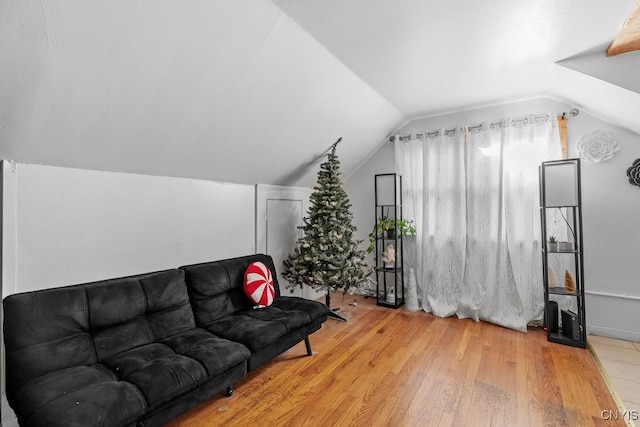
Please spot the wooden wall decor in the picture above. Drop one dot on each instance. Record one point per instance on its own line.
(628, 38)
(562, 129)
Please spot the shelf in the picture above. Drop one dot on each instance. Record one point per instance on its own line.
(561, 290)
(388, 204)
(383, 302)
(557, 337)
(389, 270)
(560, 187)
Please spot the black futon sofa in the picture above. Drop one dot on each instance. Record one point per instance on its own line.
(144, 349)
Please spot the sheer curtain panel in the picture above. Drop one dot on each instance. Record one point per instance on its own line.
(473, 194)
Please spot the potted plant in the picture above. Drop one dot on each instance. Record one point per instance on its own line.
(553, 244)
(388, 227)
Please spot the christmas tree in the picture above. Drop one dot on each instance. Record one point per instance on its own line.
(327, 257)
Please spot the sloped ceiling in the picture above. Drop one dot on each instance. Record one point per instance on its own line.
(255, 91)
(432, 57)
(621, 70)
(223, 90)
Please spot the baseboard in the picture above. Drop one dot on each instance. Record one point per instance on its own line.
(619, 334)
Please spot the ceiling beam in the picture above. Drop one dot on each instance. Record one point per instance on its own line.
(628, 38)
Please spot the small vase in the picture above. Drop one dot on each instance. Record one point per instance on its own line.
(391, 298)
(553, 281)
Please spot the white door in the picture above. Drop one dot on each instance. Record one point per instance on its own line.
(279, 213)
(282, 236)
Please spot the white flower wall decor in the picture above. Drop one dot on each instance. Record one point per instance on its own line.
(598, 146)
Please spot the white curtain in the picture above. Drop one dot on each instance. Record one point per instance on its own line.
(473, 194)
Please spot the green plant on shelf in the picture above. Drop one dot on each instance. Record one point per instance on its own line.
(401, 226)
(552, 239)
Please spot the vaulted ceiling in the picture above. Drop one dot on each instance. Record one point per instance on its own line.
(254, 91)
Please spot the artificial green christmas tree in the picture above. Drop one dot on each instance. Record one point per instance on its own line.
(327, 257)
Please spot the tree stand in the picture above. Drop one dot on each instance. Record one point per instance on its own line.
(332, 311)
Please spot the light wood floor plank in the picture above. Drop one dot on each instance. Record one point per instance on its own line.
(392, 367)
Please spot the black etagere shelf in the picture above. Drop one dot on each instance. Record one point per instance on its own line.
(389, 275)
(564, 308)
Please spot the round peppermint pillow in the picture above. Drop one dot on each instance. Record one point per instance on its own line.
(258, 284)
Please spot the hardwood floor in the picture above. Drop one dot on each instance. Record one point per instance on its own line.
(396, 368)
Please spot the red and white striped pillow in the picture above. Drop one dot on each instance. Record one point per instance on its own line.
(258, 284)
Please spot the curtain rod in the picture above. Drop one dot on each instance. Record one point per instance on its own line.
(572, 113)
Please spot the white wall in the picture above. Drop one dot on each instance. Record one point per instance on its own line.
(611, 210)
(611, 214)
(75, 225)
(64, 226)
(360, 189)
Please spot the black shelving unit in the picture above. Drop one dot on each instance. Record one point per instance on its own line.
(389, 278)
(561, 210)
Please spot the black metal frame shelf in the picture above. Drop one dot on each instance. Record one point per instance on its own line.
(560, 180)
(389, 280)
(561, 252)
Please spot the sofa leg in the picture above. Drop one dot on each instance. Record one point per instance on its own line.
(308, 344)
(229, 391)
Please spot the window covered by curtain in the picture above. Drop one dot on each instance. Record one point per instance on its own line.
(473, 194)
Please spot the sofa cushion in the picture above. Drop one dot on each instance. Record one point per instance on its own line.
(133, 311)
(79, 396)
(168, 308)
(157, 371)
(45, 331)
(168, 368)
(213, 293)
(216, 354)
(291, 319)
(314, 309)
(258, 284)
(248, 330)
